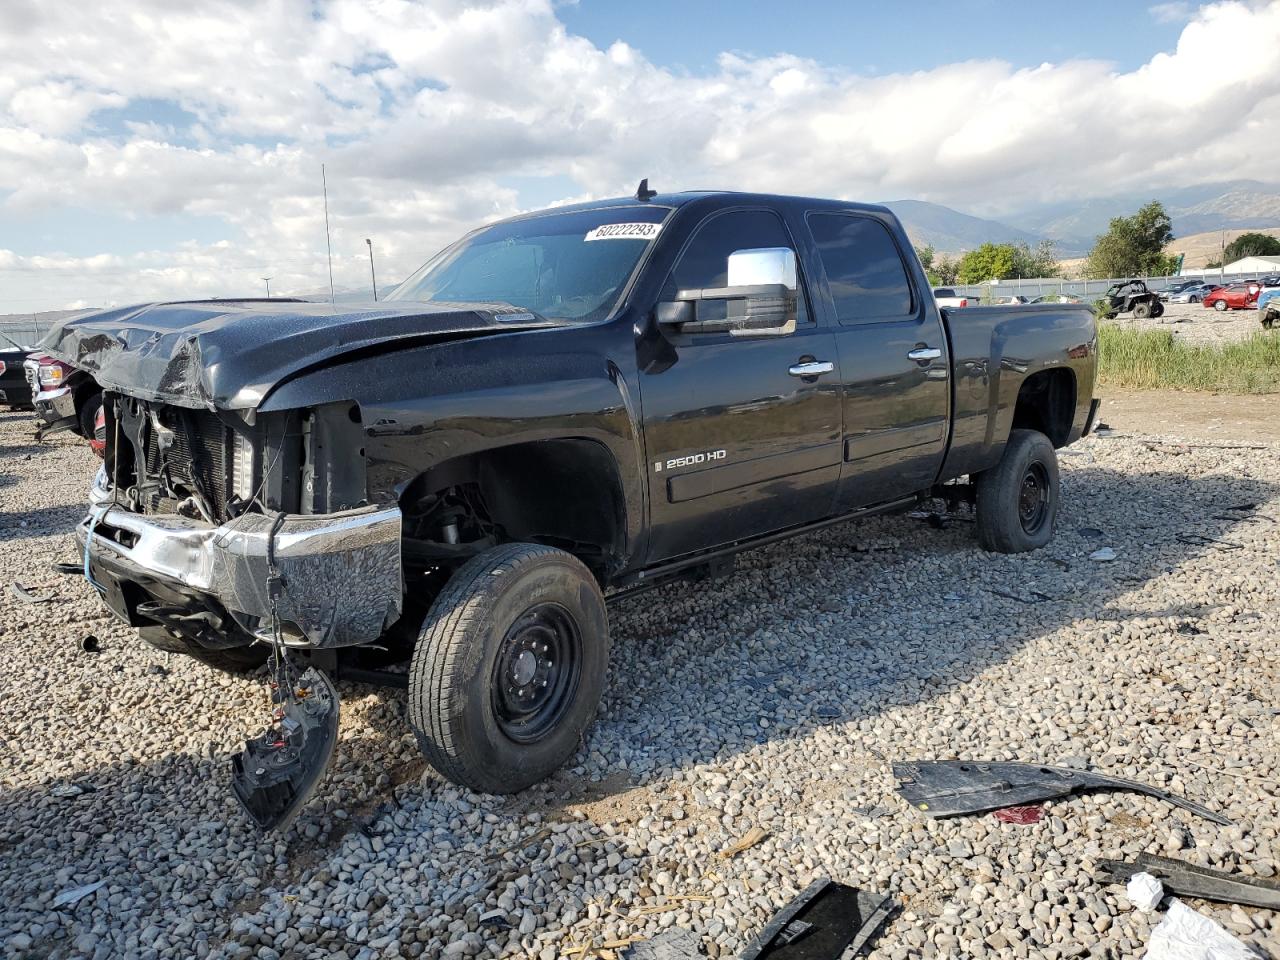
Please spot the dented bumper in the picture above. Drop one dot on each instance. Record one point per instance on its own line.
(341, 572)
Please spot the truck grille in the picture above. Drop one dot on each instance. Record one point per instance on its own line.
(202, 433)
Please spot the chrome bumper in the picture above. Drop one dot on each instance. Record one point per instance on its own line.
(341, 572)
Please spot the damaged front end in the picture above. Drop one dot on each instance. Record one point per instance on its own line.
(228, 530)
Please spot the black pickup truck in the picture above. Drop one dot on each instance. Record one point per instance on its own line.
(558, 409)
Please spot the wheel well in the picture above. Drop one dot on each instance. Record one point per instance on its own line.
(1047, 402)
(565, 493)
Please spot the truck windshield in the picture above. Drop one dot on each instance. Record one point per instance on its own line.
(566, 266)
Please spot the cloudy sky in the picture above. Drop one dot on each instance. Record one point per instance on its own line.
(153, 150)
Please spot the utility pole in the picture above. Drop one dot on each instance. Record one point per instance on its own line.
(372, 276)
(267, 281)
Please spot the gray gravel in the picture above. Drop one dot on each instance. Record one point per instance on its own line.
(1196, 323)
(774, 699)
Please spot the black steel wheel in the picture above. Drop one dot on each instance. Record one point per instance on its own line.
(536, 672)
(1018, 497)
(509, 667)
(1033, 500)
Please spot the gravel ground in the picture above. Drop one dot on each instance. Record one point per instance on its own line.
(1197, 323)
(775, 699)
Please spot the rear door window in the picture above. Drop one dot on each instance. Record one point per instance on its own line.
(865, 271)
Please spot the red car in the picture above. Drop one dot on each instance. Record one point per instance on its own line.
(1234, 296)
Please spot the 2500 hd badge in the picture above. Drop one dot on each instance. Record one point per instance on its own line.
(692, 460)
(454, 480)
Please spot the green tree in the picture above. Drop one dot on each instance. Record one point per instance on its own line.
(1038, 261)
(1252, 245)
(941, 270)
(991, 261)
(1133, 246)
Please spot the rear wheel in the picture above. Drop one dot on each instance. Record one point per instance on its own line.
(1194, 299)
(1157, 309)
(509, 667)
(1018, 497)
(1220, 305)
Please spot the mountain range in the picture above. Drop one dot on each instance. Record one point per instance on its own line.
(1074, 225)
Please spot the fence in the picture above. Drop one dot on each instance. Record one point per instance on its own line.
(1086, 289)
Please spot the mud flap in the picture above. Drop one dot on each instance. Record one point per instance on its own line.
(827, 921)
(279, 771)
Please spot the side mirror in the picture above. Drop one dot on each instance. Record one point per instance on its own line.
(760, 298)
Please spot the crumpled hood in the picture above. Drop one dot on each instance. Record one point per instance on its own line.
(229, 354)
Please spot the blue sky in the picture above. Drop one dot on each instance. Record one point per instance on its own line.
(158, 150)
(876, 36)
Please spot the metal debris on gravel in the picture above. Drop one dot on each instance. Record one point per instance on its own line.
(1161, 666)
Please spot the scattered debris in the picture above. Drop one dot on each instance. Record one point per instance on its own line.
(279, 771)
(1184, 934)
(1103, 555)
(90, 644)
(1200, 540)
(948, 788)
(69, 898)
(67, 791)
(1184, 879)
(1144, 891)
(1027, 813)
(827, 712)
(494, 920)
(603, 951)
(754, 836)
(157, 670)
(25, 595)
(674, 944)
(826, 921)
(1036, 596)
(1090, 533)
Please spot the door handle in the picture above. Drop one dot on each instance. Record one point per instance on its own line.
(924, 353)
(812, 368)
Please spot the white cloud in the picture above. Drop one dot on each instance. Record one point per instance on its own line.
(1176, 12)
(422, 111)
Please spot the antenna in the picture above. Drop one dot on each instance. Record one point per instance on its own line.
(325, 185)
(643, 192)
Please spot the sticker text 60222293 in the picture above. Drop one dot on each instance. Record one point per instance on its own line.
(624, 231)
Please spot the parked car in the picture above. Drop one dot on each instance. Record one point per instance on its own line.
(1193, 293)
(15, 392)
(1234, 296)
(586, 400)
(65, 398)
(1131, 296)
(1009, 301)
(947, 297)
(1058, 298)
(1177, 287)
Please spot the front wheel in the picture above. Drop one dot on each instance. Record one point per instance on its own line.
(1220, 305)
(1018, 497)
(1141, 311)
(1194, 299)
(509, 667)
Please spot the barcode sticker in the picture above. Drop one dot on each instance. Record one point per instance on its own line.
(625, 231)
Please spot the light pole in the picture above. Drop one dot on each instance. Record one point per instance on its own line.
(267, 281)
(372, 276)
